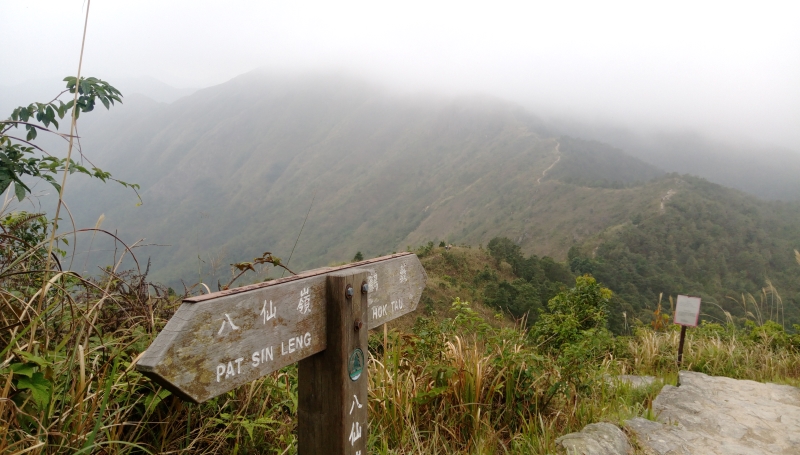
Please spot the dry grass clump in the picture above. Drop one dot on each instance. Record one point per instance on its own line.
(68, 344)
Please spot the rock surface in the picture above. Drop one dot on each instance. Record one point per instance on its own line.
(718, 415)
(596, 439)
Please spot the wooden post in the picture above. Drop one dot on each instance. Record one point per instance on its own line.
(320, 318)
(680, 345)
(332, 385)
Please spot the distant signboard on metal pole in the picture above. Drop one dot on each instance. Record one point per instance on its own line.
(687, 311)
(687, 314)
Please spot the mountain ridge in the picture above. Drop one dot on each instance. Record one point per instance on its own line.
(231, 171)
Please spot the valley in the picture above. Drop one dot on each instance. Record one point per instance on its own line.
(405, 161)
(232, 171)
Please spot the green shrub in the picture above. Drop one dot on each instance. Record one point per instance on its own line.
(571, 313)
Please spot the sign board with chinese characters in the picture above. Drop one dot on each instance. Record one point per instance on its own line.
(687, 311)
(217, 342)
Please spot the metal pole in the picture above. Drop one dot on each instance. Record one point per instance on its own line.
(680, 345)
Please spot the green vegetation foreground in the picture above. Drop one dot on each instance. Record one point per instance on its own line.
(453, 382)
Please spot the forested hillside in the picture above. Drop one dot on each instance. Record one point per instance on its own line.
(710, 241)
(597, 165)
(232, 171)
(497, 278)
(734, 251)
(766, 171)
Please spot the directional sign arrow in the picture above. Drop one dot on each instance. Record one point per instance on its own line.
(217, 342)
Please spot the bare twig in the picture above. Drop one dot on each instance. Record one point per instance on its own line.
(11, 123)
(29, 143)
(243, 267)
(301, 231)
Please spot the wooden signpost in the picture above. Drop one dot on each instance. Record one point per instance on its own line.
(687, 314)
(320, 318)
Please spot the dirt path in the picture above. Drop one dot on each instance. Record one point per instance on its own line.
(544, 173)
(666, 198)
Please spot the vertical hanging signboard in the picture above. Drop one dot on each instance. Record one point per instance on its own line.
(687, 314)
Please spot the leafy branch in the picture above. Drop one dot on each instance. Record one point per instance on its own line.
(18, 157)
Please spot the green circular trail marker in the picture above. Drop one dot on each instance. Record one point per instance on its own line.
(355, 364)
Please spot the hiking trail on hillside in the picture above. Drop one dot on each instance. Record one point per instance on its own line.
(666, 198)
(544, 173)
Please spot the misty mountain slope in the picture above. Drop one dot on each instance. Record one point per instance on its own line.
(230, 172)
(151, 88)
(767, 172)
(598, 165)
(581, 192)
(710, 241)
(544, 218)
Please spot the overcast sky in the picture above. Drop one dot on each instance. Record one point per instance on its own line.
(726, 68)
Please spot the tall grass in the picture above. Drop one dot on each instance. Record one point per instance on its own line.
(760, 353)
(461, 386)
(452, 384)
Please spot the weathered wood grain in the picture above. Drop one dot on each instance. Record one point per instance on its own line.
(219, 341)
(395, 287)
(332, 405)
